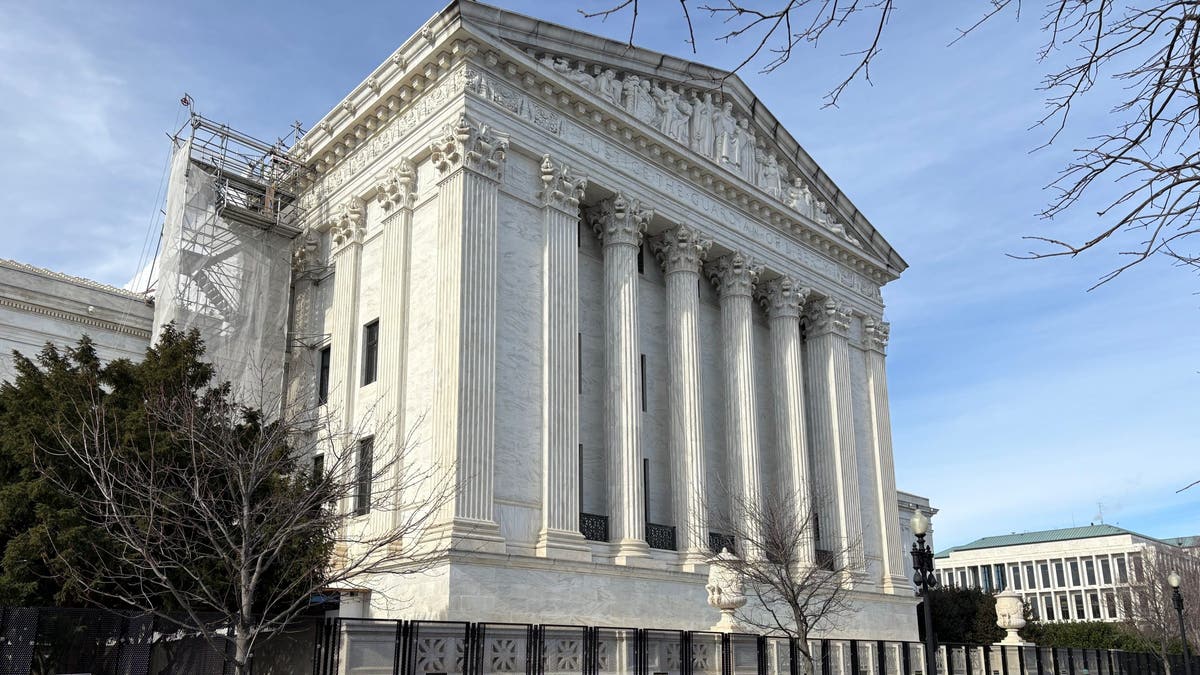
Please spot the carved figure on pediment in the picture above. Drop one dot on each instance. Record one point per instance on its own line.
(702, 128)
(608, 86)
(725, 130)
(664, 106)
(682, 119)
(747, 151)
(821, 213)
(581, 78)
(769, 176)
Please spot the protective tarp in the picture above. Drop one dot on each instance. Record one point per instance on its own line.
(227, 278)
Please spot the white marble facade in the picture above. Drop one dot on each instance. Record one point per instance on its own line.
(606, 295)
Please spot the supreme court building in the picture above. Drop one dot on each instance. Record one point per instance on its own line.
(607, 288)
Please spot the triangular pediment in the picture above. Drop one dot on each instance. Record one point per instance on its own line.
(704, 112)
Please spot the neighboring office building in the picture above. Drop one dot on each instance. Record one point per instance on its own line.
(1069, 574)
(39, 306)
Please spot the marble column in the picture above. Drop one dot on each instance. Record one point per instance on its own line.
(559, 536)
(620, 223)
(396, 194)
(735, 276)
(346, 235)
(469, 158)
(784, 298)
(894, 573)
(832, 444)
(682, 251)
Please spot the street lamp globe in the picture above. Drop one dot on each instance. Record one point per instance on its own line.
(919, 523)
(1173, 579)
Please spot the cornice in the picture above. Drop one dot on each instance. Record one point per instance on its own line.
(78, 281)
(444, 45)
(72, 317)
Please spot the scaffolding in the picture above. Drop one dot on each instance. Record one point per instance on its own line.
(225, 265)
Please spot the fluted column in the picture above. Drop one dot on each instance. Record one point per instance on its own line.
(682, 251)
(470, 159)
(620, 223)
(346, 235)
(895, 573)
(735, 276)
(395, 193)
(783, 299)
(559, 536)
(831, 411)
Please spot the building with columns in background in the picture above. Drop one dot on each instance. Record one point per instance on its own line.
(602, 285)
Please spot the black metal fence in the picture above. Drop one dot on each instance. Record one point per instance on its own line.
(50, 641)
(376, 647)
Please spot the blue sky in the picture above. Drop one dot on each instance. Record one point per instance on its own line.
(1020, 401)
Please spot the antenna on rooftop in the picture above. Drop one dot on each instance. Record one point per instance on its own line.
(1100, 512)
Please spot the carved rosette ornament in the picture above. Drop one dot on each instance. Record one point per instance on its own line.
(397, 188)
(619, 220)
(347, 226)
(560, 188)
(828, 316)
(681, 249)
(783, 296)
(875, 334)
(734, 274)
(469, 145)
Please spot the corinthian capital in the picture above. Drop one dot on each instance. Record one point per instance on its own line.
(734, 274)
(619, 220)
(560, 188)
(875, 334)
(469, 145)
(828, 316)
(347, 226)
(397, 187)
(783, 297)
(681, 249)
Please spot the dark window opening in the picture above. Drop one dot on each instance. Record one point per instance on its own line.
(318, 467)
(323, 376)
(643, 384)
(370, 351)
(641, 259)
(363, 473)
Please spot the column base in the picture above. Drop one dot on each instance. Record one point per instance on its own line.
(474, 536)
(634, 553)
(897, 584)
(694, 561)
(563, 545)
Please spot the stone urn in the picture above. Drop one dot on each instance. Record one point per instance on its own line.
(1010, 615)
(725, 590)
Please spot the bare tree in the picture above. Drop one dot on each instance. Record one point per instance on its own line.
(229, 523)
(1149, 158)
(795, 587)
(1152, 613)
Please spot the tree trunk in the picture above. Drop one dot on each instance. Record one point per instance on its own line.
(241, 655)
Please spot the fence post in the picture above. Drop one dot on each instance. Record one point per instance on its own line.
(726, 654)
(826, 660)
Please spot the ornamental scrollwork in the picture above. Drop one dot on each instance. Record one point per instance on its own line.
(734, 274)
(347, 226)
(828, 316)
(783, 297)
(469, 145)
(397, 187)
(560, 187)
(681, 249)
(620, 220)
(875, 334)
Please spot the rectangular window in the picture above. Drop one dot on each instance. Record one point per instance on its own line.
(1089, 571)
(323, 376)
(580, 477)
(579, 360)
(1122, 572)
(318, 467)
(974, 577)
(645, 490)
(1074, 572)
(962, 578)
(1079, 606)
(1030, 577)
(1049, 608)
(1137, 568)
(1045, 568)
(642, 259)
(1110, 600)
(1105, 571)
(1000, 585)
(1015, 572)
(362, 478)
(1094, 598)
(1034, 610)
(987, 579)
(1064, 608)
(370, 351)
(1058, 575)
(643, 372)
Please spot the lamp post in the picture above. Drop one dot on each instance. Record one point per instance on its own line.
(1173, 579)
(923, 577)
